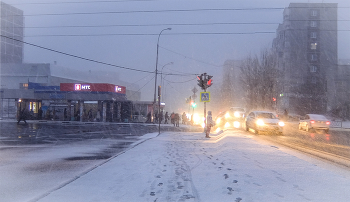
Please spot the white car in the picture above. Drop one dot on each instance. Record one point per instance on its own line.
(263, 121)
(314, 121)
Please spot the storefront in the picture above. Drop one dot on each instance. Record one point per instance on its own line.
(69, 102)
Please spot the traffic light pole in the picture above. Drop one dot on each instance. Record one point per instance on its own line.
(205, 114)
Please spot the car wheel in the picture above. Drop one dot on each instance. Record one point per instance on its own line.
(327, 130)
(246, 127)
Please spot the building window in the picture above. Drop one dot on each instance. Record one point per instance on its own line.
(313, 24)
(313, 68)
(314, 13)
(313, 35)
(313, 57)
(313, 46)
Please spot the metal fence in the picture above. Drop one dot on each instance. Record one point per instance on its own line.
(336, 124)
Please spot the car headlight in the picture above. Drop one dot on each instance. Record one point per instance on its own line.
(227, 115)
(237, 115)
(281, 123)
(260, 122)
(218, 121)
(236, 124)
(227, 124)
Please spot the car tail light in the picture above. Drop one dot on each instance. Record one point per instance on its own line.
(328, 122)
(312, 121)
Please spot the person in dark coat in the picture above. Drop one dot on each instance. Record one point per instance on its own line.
(40, 114)
(22, 116)
(149, 116)
(166, 117)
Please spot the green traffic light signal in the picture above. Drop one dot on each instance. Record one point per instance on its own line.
(194, 105)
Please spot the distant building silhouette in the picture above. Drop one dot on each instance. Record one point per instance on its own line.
(11, 25)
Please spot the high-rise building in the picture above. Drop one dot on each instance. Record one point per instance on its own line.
(12, 26)
(306, 47)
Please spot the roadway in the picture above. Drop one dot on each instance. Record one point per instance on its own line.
(333, 146)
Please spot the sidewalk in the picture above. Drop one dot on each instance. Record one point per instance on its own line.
(188, 167)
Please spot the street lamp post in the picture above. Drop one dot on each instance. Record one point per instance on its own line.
(155, 80)
(161, 76)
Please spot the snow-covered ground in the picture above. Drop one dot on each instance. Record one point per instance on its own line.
(187, 167)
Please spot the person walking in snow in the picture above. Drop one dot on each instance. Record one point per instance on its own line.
(210, 123)
(166, 117)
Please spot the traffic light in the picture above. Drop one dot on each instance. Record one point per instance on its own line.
(200, 81)
(194, 104)
(209, 81)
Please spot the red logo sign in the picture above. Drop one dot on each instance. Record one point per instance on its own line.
(118, 89)
(77, 87)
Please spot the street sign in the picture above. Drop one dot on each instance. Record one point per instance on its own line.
(205, 97)
(194, 90)
(194, 96)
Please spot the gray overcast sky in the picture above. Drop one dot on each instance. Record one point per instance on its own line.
(190, 53)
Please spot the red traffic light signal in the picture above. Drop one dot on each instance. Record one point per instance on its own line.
(274, 99)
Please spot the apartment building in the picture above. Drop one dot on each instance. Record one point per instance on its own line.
(306, 47)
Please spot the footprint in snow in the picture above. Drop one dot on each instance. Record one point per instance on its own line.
(152, 193)
(226, 176)
(235, 181)
(160, 184)
(238, 199)
(230, 188)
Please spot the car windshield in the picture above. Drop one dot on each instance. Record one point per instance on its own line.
(174, 100)
(317, 117)
(237, 109)
(266, 116)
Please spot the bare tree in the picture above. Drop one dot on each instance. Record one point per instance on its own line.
(259, 77)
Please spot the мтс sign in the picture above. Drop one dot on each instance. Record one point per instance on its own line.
(81, 87)
(118, 89)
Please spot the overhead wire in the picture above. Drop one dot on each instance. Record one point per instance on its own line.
(88, 59)
(169, 24)
(167, 11)
(78, 2)
(180, 81)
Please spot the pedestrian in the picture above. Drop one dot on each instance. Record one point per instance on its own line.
(40, 114)
(161, 117)
(65, 114)
(176, 120)
(98, 116)
(155, 120)
(166, 117)
(149, 116)
(184, 118)
(22, 116)
(285, 115)
(77, 115)
(172, 118)
(210, 123)
(90, 115)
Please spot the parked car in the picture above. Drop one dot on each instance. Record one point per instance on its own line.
(263, 121)
(314, 121)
